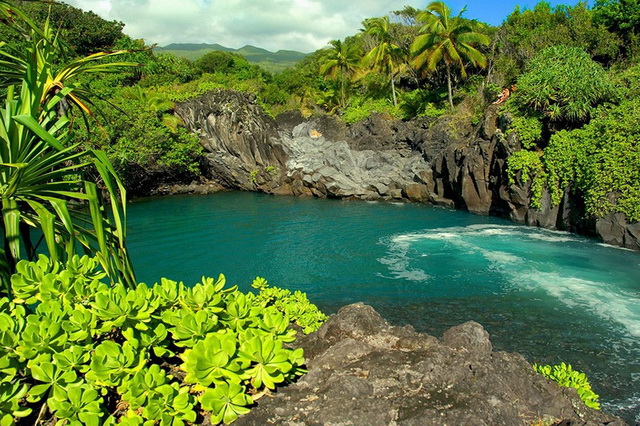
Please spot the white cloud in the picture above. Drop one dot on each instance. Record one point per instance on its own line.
(304, 25)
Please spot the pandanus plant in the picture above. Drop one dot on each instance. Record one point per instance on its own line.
(48, 186)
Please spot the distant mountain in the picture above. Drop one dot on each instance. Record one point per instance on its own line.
(271, 61)
(194, 46)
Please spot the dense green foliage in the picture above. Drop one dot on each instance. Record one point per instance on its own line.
(576, 140)
(529, 167)
(144, 140)
(563, 83)
(47, 180)
(622, 17)
(566, 376)
(83, 32)
(75, 349)
(528, 31)
(601, 160)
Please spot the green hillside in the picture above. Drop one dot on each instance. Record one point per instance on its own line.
(271, 61)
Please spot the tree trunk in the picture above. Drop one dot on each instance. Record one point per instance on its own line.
(393, 91)
(342, 88)
(449, 86)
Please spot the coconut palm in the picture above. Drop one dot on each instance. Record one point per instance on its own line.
(46, 180)
(385, 56)
(447, 38)
(341, 62)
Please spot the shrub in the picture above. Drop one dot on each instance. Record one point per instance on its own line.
(363, 108)
(602, 160)
(530, 167)
(420, 103)
(566, 376)
(563, 83)
(527, 126)
(79, 351)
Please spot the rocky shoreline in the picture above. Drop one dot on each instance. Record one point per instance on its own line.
(362, 371)
(450, 162)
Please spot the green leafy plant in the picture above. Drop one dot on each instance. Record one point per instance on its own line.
(78, 403)
(527, 126)
(11, 395)
(44, 174)
(564, 84)
(566, 376)
(360, 109)
(270, 361)
(601, 161)
(226, 402)
(530, 168)
(214, 360)
(167, 354)
(296, 305)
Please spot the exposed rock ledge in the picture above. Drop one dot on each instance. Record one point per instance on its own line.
(449, 162)
(362, 371)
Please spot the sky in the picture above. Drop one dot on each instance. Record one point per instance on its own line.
(302, 25)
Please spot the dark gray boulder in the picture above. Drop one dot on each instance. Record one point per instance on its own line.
(362, 371)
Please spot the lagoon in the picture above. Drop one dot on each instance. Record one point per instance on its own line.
(552, 296)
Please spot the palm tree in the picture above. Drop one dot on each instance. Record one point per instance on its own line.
(447, 38)
(385, 56)
(45, 178)
(340, 63)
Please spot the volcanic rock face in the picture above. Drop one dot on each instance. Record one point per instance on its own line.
(362, 371)
(448, 162)
(327, 168)
(240, 139)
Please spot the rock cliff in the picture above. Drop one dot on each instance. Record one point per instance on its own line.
(450, 162)
(362, 371)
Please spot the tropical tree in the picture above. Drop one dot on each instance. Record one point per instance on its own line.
(623, 18)
(447, 38)
(386, 56)
(341, 62)
(46, 181)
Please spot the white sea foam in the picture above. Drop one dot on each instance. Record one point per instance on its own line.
(500, 256)
(614, 247)
(397, 262)
(597, 297)
(550, 238)
(601, 298)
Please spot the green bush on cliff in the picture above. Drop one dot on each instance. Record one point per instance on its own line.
(566, 376)
(602, 160)
(360, 108)
(564, 84)
(530, 168)
(76, 350)
(142, 136)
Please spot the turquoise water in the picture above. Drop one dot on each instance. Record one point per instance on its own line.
(551, 296)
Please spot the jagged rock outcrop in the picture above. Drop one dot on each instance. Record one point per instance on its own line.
(362, 371)
(451, 161)
(241, 141)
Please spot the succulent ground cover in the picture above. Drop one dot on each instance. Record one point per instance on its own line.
(74, 350)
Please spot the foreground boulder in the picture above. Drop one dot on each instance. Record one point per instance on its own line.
(362, 371)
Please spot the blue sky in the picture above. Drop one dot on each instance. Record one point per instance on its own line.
(495, 11)
(303, 25)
